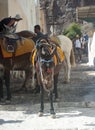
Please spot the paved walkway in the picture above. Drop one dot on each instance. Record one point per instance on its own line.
(75, 109)
(68, 118)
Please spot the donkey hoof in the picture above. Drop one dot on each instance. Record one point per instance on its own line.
(53, 116)
(40, 114)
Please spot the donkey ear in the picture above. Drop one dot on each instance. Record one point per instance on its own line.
(38, 44)
(54, 49)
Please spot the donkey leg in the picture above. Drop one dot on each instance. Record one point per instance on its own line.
(7, 84)
(1, 89)
(66, 71)
(28, 74)
(42, 101)
(55, 86)
(37, 87)
(51, 104)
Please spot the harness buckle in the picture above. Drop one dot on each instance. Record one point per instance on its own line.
(10, 48)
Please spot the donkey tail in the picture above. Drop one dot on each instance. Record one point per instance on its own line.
(72, 58)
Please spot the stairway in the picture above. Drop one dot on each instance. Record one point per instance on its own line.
(85, 12)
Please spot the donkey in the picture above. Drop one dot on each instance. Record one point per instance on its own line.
(15, 54)
(45, 65)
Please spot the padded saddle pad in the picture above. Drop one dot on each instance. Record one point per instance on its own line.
(26, 46)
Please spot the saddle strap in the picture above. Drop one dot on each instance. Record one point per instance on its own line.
(12, 59)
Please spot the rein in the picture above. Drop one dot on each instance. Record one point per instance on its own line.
(40, 69)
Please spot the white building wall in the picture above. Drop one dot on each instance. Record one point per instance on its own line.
(91, 51)
(37, 8)
(33, 16)
(29, 11)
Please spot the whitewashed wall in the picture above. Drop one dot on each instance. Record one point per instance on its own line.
(29, 11)
(91, 51)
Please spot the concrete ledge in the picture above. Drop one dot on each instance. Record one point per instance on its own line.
(77, 104)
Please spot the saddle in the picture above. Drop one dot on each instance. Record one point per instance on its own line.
(15, 45)
(11, 42)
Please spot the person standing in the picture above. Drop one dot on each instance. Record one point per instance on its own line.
(39, 34)
(78, 46)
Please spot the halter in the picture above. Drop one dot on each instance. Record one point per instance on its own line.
(46, 61)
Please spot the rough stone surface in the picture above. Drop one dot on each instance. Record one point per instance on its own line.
(58, 14)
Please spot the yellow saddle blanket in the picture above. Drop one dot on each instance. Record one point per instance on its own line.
(59, 51)
(26, 46)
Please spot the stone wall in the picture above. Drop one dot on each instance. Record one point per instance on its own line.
(58, 14)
